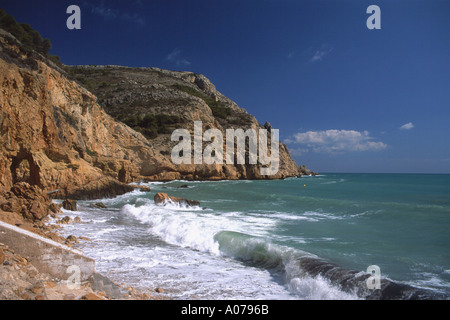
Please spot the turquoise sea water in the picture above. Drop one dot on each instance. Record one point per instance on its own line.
(248, 238)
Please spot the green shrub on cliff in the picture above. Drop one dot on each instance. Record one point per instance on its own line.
(151, 125)
(30, 38)
(217, 108)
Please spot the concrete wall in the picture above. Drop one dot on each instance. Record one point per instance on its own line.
(46, 255)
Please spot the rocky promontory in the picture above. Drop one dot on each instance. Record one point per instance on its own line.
(56, 134)
(87, 132)
(155, 102)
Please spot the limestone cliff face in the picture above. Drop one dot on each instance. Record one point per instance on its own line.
(56, 135)
(155, 102)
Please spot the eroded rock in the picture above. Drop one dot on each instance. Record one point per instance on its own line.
(163, 198)
(69, 204)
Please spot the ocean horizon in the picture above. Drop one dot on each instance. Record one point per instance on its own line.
(276, 239)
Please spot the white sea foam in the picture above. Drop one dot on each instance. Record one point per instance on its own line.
(316, 216)
(235, 235)
(193, 227)
(318, 288)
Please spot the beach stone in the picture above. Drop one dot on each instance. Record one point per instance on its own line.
(92, 296)
(51, 284)
(55, 208)
(65, 220)
(146, 296)
(25, 296)
(37, 289)
(71, 239)
(70, 205)
(101, 294)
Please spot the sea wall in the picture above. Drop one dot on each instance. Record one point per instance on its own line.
(46, 255)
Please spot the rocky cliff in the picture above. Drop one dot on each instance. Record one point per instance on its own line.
(55, 133)
(155, 102)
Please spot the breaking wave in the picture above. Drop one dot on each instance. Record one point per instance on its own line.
(245, 237)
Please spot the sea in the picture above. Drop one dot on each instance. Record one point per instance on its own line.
(333, 236)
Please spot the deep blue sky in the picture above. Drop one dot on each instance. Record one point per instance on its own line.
(345, 98)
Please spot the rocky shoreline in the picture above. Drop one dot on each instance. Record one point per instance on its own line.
(85, 133)
(21, 280)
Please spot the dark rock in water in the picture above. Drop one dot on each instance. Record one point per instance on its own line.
(163, 198)
(304, 171)
(55, 208)
(353, 281)
(184, 186)
(141, 188)
(98, 205)
(70, 205)
(70, 240)
(65, 220)
(104, 188)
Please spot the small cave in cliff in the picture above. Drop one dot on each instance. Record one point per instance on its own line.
(24, 169)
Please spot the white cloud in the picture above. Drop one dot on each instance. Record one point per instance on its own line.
(336, 141)
(407, 126)
(108, 13)
(133, 17)
(320, 54)
(105, 12)
(176, 57)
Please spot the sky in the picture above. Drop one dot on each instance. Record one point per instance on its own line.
(345, 98)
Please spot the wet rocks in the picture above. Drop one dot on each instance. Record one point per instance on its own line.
(68, 220)
(144, 189)
(98, 205)
(163, 198)
(71, 240)
(28, 200)
(141, 188)
(70, 205)
(304, 171)
(104, 187)
(65, 220)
